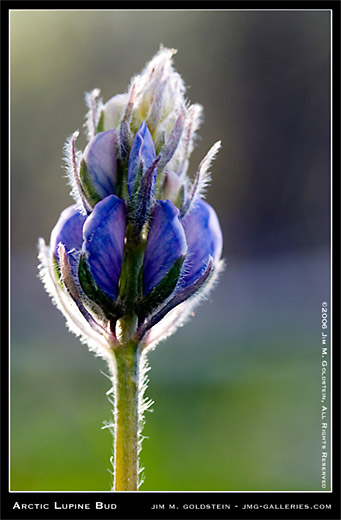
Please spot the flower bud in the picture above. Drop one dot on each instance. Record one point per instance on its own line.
(140, 240)
(142, 154)
(101, 163)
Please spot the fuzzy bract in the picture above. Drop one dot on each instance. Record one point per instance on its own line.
(140, 238)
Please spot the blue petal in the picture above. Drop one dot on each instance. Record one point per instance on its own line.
(204, 239)
(165, 243)
(104, 232)
(100, 159)
(68, 231)
(142, 150)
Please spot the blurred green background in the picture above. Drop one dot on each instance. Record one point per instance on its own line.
(237, 390)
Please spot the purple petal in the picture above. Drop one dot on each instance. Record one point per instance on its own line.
(165, 243)
(104, 232)
(68, 231)
(204, 239)
(142, 150)
(100, 159)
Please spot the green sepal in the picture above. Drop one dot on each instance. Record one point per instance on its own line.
(161, 291)
(140, 282)
(89, 191)
(121, 179)
(160, 144)
(137, 182)
(180, 198)
(110, 309)
(131, 266)
(133, 199)
(57, 272)
(100, 124)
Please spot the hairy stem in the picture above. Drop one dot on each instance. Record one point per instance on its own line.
(126, 382)
(126, 373)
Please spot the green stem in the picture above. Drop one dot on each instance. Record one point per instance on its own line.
(126, 374)
(126, 417)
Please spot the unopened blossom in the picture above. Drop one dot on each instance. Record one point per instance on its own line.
(131, 184)
(128, 261)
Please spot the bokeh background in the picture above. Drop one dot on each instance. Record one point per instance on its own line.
(237, 390)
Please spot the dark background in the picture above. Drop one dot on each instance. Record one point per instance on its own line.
(237, 390)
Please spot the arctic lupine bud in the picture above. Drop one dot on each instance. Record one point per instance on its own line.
(142, 155)
(68, 231)
(127, 263)
(166, 242)
(204, 240)
(101, 163)
(172, 248)
(103, 243)
(142, 250)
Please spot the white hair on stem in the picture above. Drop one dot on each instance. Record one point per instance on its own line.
(144, 405)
